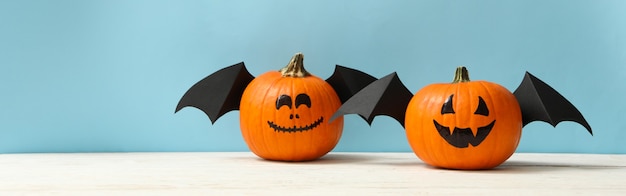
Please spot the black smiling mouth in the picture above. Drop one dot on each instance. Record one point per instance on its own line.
(462, 137)
(294, 128)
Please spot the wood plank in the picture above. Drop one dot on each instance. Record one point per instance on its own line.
(201, 173)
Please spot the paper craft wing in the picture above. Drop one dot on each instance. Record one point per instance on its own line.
(219, 92)
(540, 102)
(347, 81)
(385, 96)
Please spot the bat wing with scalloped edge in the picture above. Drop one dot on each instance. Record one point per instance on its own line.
(540, 102)
(219, 92)
(385, 96)
(348, 81)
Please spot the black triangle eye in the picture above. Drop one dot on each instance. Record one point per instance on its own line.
(447, 106)
(482, 107)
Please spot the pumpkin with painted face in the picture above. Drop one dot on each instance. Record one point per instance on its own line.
(284, 114)
(464, 124)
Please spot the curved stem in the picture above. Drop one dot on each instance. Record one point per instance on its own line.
(461, 75)
(295, 68)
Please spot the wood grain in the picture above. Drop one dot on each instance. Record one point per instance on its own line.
(242, 173)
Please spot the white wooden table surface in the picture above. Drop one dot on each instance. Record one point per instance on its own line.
(240, 173)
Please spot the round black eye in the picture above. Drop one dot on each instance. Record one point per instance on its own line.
(447, 106)
(482, 107)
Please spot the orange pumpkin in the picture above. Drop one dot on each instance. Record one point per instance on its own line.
(464, 124)
(284, 114)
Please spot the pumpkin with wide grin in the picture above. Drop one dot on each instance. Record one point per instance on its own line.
(464, 124)
(283, 114)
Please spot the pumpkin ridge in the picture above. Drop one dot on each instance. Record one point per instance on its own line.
(452, 88)
(289, 146)
(308, 89)
(444, 89)
(490, 88)
(494, 111)
(325, 91)
(269, 86)
(243, 107)
(266, 138)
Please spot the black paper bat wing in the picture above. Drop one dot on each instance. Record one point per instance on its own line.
(540, 102)
(385, 96)
(219, 92)
(347, 81)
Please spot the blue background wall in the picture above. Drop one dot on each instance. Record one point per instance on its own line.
(82, 76)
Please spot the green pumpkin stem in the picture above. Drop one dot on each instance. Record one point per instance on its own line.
(461, 75)
(295, 68)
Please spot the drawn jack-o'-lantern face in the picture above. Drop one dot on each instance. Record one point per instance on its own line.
(464, 124)
(301, 100)
(285, 118)
(461, 137)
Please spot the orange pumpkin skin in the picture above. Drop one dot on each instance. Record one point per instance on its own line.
(295, 131)
(426, 109)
